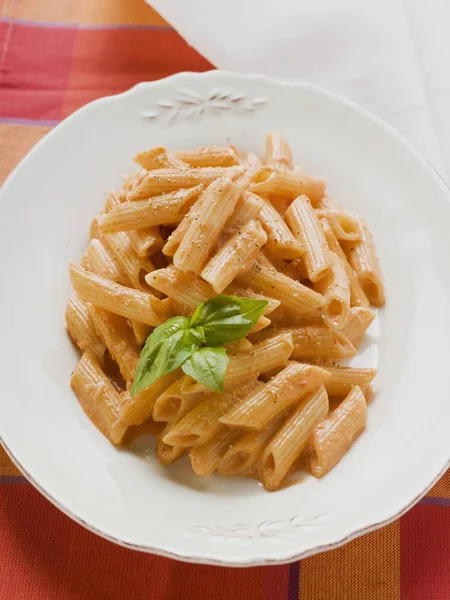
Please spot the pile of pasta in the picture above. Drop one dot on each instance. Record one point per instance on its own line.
(193, 224)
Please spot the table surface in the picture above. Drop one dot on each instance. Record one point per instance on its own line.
(56, 55)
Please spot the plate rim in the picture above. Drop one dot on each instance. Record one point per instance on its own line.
(192, 557)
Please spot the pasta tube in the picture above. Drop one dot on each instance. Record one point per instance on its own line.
(287, 183)
(291, 439)
(159, 210)
(362, 257)
(121, 300)
(233, 256)
(290, 385)
(98, 397)
(332, 438)
(81, 328)
(306, 227)
(278, 152)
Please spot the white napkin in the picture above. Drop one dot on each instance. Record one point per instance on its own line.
(391, 56)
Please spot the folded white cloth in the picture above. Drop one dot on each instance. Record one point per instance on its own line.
(391, 56)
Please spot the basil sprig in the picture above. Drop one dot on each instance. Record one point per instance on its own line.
(195, 344)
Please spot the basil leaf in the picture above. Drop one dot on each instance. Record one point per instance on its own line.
(166, 348)
(227, 318)
(199, 333)
(208, 366)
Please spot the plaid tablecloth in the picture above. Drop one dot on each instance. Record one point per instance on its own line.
(56, 55)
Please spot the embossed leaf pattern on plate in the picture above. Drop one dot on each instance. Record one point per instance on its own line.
(283, 529)
(190, 105)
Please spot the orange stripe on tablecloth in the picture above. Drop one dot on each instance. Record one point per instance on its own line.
(110, 61)
(442, 487)
(63, 10)
(119, 12)
(90, 12)
(367, 568)
(7, 468)
(15, 142)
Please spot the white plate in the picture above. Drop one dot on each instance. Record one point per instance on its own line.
(45, 209)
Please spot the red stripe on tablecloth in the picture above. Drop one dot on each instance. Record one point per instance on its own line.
(108, 62)
(36, 71)
(276, 582)
(49, 72)
(46, 556)
(425, 553)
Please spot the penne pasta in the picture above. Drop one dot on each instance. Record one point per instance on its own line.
(118, 337)
(137, 409)
(240, 346)
(289, 386)
(363, 259)
(212, 156)
(326, 203)
(284, 320)
(332, 438)
(291, 439)
(278, 152)
(280, 241)
(165, 453)
(141, 332)
(252, 163)
(344, 378)
(247, 209)
(130, 183)
(94, 229)
(318, 341)
(344, 225)
(206, 458)
(306, 227)
(358, 321)
(292, 268)
(271, 353)
(233, 256)
(295, 297)
(262, 323)
(235, 289)
(112, 199)
(202, 423)
(98, 397)
(335, 288)
(280, 204)
(81, 329)
(146, 241)
(173, 404)
(158, 210)
(243, 454)
(158, 158)
(121, 300)
(190, 225)
(162, 181)
(135, 268)
(98, 259)
(287, 183)
(357, 294)
(186, 289)
(203, 232)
